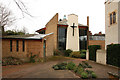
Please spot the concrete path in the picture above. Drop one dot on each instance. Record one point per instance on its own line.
(43, 70)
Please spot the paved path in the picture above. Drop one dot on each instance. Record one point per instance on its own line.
(42, 70)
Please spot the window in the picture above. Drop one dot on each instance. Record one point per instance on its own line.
(112, 18)
(10, 45)
(62, 32)
(23, 45)
(17, 45)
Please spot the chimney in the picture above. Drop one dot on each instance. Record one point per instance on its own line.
(88, 21)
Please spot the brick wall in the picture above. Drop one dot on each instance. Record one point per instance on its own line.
(34, 46)
(97, 42)
(51, 42)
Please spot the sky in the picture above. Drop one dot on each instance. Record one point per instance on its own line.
(44, 10)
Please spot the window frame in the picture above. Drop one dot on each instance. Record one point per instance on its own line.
(111, 23)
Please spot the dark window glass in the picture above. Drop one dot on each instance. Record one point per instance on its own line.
(62, 32)
(114, 17)
(83, 39)
(23, 45)
(110, 18)
(10, 45)
(17, 45)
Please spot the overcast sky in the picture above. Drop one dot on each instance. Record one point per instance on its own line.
(44, 10)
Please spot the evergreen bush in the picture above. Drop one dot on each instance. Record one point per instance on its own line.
(113, 54)
(84, 75)
(75, 54)
(67, 52)
(71, 66)
(92, 51)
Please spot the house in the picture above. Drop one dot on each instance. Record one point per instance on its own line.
(21, 46)
(97, 39)
(68, 33)
(112, 22)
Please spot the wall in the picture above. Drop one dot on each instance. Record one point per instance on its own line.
(111, 31)
(119, 22)
(51, 42)
(34, 46)
(98, 42)
(72, 41)
(101, 56)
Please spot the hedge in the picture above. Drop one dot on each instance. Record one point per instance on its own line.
(92, 51)
(113, 54)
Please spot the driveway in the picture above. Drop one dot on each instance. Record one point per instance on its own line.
(39, 70)
(44, 70)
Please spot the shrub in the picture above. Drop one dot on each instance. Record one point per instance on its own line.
(32, 58)
(11, 61)
(82, 55)
(83, 51)
(80, 70)
(75, 69)
(75, 54)
(84, 65)
(60, 66)
(57, 53)
(67, 52)
(84, 75)
(71, 65)
(55, 67)
(113, 54)
(93, 75)
(92, 51)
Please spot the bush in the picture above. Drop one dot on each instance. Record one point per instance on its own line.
(92, 51)
(93, 75)
(83, 56)
(60, 66)
(11, 61)
(113, 54)
(75, 54)
(83, 51)
(71, 66)
(84, 65)
(84, 75)
(57, 53)
(32, 58)
(80, 70)
(67, 52)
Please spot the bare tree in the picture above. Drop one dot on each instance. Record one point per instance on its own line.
(6, 17)
(22, 7)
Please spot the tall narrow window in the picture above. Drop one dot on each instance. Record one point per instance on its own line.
(17, 45)
(114, 17)
(110, 19)
(23, 45)
(10, 45)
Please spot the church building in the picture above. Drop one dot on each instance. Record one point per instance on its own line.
(68, 33)
(112, 22)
